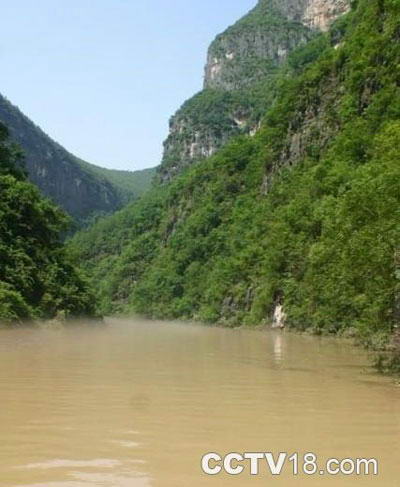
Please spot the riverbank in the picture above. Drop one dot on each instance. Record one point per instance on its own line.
(384, 351)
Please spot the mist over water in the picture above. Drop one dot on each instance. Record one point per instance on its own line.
(137, 404)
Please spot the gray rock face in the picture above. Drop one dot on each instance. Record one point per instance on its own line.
(57, 172)
(199, 128)
(263, 39)
(315, 14)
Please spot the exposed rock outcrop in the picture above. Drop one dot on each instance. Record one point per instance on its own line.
(279, 318)
(315, 14)
(262, 40)
(202, 125)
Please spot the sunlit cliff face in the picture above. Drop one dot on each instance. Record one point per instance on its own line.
(319, 14)
(316, 14)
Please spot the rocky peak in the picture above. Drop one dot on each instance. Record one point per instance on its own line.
(262, 39)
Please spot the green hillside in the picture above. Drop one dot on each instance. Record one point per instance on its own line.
(305, 213)
(37, 279)
(129, 184)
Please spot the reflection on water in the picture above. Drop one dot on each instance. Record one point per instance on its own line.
(137, 404)
(277, 338)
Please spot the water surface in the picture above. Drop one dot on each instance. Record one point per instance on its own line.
(136, 404)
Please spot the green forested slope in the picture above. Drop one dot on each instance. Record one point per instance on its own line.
(129, 185)
(305, 213)
(37, 279)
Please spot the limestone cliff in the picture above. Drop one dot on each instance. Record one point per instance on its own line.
(244, 56)
(315, 14)
(261, 41)
(201, 126)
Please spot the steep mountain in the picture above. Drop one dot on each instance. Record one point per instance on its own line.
(297, 224)
(240, 62)
(81, 189)
(37, 279)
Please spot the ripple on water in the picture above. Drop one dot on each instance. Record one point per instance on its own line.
(88, 480)
(63, 463)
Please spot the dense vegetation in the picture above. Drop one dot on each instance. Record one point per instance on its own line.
(37, 279)
(306, 212)
(129, 184)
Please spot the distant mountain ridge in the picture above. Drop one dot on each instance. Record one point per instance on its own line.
(81, 189)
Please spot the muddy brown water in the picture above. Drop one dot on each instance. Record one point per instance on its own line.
(137, 404)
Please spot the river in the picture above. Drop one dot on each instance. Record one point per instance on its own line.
(137, 404)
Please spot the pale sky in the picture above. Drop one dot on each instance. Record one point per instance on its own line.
(102, 77)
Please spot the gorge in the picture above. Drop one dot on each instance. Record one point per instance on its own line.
(244, 296)
(278, 190)
(297, 211)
